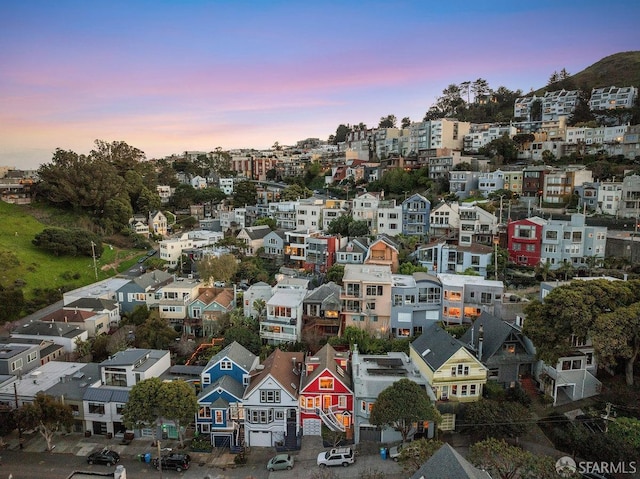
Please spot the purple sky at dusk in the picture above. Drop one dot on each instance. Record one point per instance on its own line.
(169, 76)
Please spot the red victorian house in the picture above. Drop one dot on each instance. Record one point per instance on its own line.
(326, 395)
(525, 240)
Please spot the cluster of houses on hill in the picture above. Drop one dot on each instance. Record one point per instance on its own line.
(243, 401)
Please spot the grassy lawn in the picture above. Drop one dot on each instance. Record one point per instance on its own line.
(21, 260)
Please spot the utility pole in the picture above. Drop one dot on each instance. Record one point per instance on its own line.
(159, 458)
(93, 253)
(15, 394)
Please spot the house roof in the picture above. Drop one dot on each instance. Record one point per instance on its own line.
(288, 297)
(226, 383)
(359, 245)
(49, 328)
(94, 304)
(447, 463)
(326, 359)
(237, 353)
(323, 292)
(73, 386)
(134, 357)
(106, 395)
(439, 344)
(495, 332)
(280, 366)
(214, 295)
(153, 278)
(257, 232)
(69, 316)
(10, 350)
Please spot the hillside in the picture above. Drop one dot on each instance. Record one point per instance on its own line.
(22, 262)
(621, 69)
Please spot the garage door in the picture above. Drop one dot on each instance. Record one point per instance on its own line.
(260, 439)
(311, 427)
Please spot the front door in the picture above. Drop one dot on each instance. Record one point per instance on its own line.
(326, 402)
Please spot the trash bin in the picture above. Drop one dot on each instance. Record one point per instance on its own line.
(147, 458)
(383, 453)
(140, 457)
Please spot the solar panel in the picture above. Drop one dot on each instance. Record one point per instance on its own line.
(386, 372)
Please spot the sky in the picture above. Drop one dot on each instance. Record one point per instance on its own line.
(171, 76)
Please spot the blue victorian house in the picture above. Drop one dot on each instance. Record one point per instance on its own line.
(415, 216)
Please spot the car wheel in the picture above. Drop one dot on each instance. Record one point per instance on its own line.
(270, 469)
(288, 468)
(323, 465)
(395, 459)
(178, 469)
(345, 464)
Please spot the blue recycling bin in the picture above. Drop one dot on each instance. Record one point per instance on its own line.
(383, 453)
(147, 457)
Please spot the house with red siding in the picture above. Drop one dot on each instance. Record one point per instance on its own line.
(326, 394)
(525, 240)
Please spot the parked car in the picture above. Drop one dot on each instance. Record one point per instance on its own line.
(341, 456)
(394, 452)
(177, 462)
(106, 456)
(280, 462)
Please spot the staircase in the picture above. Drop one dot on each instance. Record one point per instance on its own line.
(529, 385)
(330, 420)
(238, 446)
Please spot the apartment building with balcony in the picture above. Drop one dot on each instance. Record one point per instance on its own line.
(476, 225)
(321, 315)
(448, 133)
(295, 249)
(513, 181)
(321, 252)
(559, 185)
(365, 207)
(309, 214)
(630, 197)
(284, 212)
(444, 220)
(612, 98)
(465, 297)
(481, 135)
(366, 298)
(533, 181)
(443, 257)
(333, 209)
(383, 252)
(416, 211)
(441, 165)
(572, 242)
(283, 320)
(416, 303)
(609, 197)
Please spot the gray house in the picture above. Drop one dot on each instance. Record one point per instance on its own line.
(502, 348)
(321, 310)
(274, 243)
(447, 463)
(416, 302)
(18, 358)
(142, 290)
(354, 252)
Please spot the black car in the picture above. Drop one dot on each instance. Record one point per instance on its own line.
(177, 462)
(106, 456)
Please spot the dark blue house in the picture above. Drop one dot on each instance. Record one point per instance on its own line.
(415, 216)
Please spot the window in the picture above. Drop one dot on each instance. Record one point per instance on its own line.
(17, 364)
(374, 290)
(119, 408)
(32, 356)
(270, 396)
(397, 299)
(219, 417)
(261, 416)
(485, 298)
(472, 390)
(463, 390)
(342, 402)
(204, 412)
(96, 408)
(225, 364)
(325, 383)
(279, 415)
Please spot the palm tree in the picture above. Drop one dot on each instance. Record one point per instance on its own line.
(566, 269)
(544, 270)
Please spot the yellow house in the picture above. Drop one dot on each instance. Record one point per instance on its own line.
(455, 374)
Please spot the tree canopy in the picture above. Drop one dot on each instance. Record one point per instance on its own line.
(607, 312)
(179, 404)
(69, 242)
(245, 193)
(401, 405)
(504, 461)
(45, 414)
(217, 268)
(489, 418)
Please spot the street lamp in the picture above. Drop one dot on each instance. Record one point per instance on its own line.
(495, 256)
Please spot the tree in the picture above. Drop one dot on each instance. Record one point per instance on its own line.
(405, 122)
(11, 303)
(488, 418)
(616, 336)
(217, 268)
(46, 415)
(155, 333)
(335, 273)
(451, 102)
(144, 406)
(626, 430)
(245, 193)
(69, 242)
(401, 405)
(358, 228)
(270, 222)
(510, 462)
(503, 148)
(295, 192)
(179, 404)
(341, 134)
(340, 225)
(416, 453)
(480, 89)
(388, 121)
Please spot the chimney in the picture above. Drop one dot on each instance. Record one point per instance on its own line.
(480, 341)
